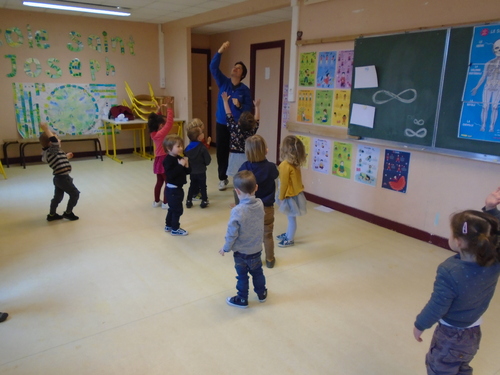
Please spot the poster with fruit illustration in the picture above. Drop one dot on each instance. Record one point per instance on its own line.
(396, 166)
(321, 157)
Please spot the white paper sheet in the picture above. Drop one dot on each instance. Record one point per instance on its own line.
(362, 115)
(365, 77)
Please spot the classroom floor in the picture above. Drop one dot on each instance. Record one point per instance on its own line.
(112, 293)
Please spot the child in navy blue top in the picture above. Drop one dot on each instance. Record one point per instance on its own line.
(464, 286)
(176, 169)
(266, 174)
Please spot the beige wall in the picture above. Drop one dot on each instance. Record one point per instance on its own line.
(137, 70)
(437, 185)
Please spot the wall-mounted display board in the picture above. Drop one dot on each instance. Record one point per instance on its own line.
(425, 80)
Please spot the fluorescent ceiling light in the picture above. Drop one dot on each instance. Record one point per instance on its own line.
(74, 8)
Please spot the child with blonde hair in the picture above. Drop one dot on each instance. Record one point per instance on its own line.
(159, 127)
(266, 174)
(464, 286)
(291, 199)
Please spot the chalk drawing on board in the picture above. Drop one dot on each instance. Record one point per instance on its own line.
(391, 96)
(420, 133)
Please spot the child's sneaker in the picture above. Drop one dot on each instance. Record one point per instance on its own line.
(197, 197)
(204, 204)
(164, 206)
(263, 296)
(282, 236)
(189, 204)
(54, 217)
(167, 228)
(156, 204)
(70, 216)
(179, 232)
(223, 184)
(237, 301)
(285, 242)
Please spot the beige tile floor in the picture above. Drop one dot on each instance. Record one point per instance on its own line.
(113, 293)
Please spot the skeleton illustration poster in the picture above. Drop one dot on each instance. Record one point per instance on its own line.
(307, 146)
(307, 69)
(68, 109)
(367, 165)
(481, 97)
(396, 167)
(326, 70)
(305, 106)
(342, 159)
(323, 107)
(321, 155)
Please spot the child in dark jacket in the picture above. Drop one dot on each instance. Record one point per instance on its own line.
(176, 169)
(199, 158)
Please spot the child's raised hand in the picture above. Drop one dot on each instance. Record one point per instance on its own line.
(225, 97)
(256, 102)
(69, 155)
(44, 126)
(492, 200)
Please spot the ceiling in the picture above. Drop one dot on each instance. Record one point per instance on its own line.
(163, 11)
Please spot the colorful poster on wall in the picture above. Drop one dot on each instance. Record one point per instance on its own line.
(285, 111)
(307, 146)
(305, 106)
(396, 167)
(323, 107)
(67, 108)
(342, 159)
(326, 70)
(342, 99)
(307, 69)
(343, 79)
(479, 118)
(367, 165)
(321, 158)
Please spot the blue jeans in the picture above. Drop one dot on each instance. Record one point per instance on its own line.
(175, 196)
(249, 264)
(452, 349)
(64, 184)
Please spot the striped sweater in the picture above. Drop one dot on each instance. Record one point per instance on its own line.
(56, 158)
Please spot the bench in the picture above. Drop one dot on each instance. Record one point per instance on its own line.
(31, 141)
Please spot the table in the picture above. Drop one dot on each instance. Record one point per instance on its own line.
(113, 125)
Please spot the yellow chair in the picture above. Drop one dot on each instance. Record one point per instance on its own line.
(2, 171)
(142, 105)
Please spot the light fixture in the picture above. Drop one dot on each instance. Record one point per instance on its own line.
(75, 6)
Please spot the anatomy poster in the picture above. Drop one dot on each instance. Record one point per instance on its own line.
(307, 146)
(343, 78)
(395, 174)
(305, 106)
(479, 118)
(321, 156)
(68, 108)
(326, 70)
(307, 69)
(367, 165)
(342, 159)
(341, 101)
(323, 107)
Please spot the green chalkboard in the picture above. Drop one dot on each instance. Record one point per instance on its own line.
(409, 68)
(455, 76)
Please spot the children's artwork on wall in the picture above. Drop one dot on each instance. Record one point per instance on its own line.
(479, 118)
(342, 159)
(68, 108)
(307, 146)
(305, 106)
(326, 70)
(321, 157)
(396, 167)
(323, 107)
(367, 165)
(342, 99)
(285, 111)
(307, 69)
(343, 79)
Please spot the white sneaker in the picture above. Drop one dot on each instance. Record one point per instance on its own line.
(223, 184)
(157, 204)
(164, 206)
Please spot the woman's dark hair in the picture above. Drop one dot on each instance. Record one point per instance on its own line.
(479, 231)
(154, 122)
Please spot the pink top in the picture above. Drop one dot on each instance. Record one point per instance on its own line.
(160, 135)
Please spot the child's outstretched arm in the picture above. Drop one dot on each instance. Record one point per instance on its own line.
(225, 100)
(256, 103)
(46, 129)
(492, 200)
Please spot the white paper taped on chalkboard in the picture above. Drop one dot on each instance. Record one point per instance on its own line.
(365, 77)
(362, 115)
